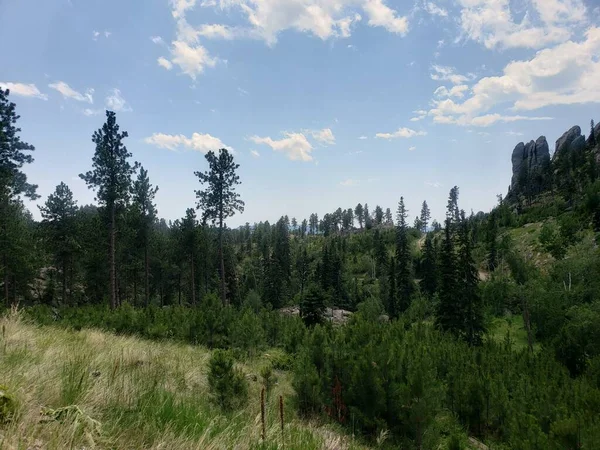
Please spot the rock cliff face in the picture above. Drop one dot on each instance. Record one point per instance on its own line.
(528, 163)
(565, 142)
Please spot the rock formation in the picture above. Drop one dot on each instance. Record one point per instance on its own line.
(564, 144)
(528, 164)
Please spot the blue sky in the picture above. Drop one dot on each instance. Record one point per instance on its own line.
(326, 103)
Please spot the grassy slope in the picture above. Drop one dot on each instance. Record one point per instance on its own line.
(133, 393)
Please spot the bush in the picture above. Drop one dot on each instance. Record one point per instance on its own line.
(8, 406)
(227, 384)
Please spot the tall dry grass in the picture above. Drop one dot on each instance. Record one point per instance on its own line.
(94, 390)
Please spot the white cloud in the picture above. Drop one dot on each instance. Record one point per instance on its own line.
(381, 15)
(492, 22)
(255, 154)
(242, 91)
(97, 34)
(455, 91)
(362, 138)
(322, 18)
(324, 136)
(23, 90)
(216, 31)
(348, 182)
(157, 40)
(164, 62)
(412, 149)
(294, 145)
(445, 73)
(562, 75)
(420, 115)
(115, 101)
(435, 10)
(91, 112)
(191, 59)
(401, 133)
(434, 184)
(200, 142)
(513, 133)
(69, 92)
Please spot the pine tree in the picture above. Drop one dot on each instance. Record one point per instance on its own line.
(592, 138)
(13, 181)
(380, 253)
(359, 214)
(143, 202)
(389, 221)
(378, 215)
(313, 225)
(429, 281)
(404, 281)
(448, 316)
(219, 200)
(491, 238)
(469, 300)
(392, 300)
(189, 227)
(111, 178)
(452, 211)
(312, 306)
(279, 268)
(368, 220)
(424, 217)
(58, 219)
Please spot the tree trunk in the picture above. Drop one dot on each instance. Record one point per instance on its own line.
(64, 280)
(5, 265)
(193, 281)
(222, 262)
(113, 269)
(147, 275)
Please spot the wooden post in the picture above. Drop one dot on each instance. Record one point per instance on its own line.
(281, 419)
(262, 413)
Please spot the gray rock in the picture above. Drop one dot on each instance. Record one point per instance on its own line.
(531, 157)
(564, 142)
(597, 132)
(578, 144)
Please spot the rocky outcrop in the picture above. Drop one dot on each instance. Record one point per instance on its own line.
(528, 162)
(597, 132)
(563, 143)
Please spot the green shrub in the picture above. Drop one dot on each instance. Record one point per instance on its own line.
(227, 384)
(8, 405)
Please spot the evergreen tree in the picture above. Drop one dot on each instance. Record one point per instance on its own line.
(279, 269)
(388, 217)
(58, 219)
(448, 316)
(380, 253)
(492, 246)
(404, 281)
(313, 226)
(392, 300)
(143, 203)
(312, 306)
(189, 228)
(368, 220)
(592, 137)
(303, 228)
(13, 182)
(219, 200)
(359, 214)
(424, 217)
(378, 215)
(111, 178)
(429, 281)
(452, 211)
(469, 301)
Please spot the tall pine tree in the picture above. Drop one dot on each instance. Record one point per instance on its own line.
(110, 177)
(404, 280)
(218, 200)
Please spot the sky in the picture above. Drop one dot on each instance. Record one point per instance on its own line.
(325, 103)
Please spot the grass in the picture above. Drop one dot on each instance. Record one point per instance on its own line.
(500, 327)
(95, 390)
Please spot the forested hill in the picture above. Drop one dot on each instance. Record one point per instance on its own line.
(486, 324)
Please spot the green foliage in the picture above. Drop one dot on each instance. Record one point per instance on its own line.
(312, 306)
(227, 384)
(8, 405)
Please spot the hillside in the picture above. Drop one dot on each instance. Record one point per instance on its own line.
(90, 389)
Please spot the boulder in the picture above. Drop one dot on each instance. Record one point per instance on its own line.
(563, 143)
